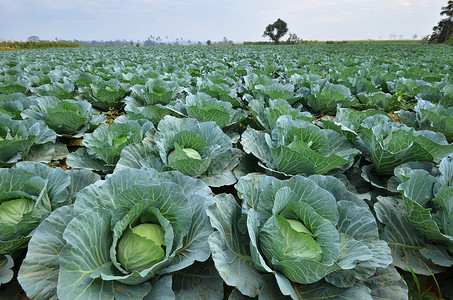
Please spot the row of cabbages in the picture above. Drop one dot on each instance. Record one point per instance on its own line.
(220, 92)
(145, 232)
(285, 140)
(344, 200)
(73, 118)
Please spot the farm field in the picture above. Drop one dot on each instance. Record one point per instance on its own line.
(267, 172)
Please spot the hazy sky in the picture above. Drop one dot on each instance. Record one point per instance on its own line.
(238, 20)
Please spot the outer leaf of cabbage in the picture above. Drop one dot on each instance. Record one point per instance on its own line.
(42, 260)
(107, 144)
(430, 116)
(66, 117)
(13, 104)
(124, 198)
(299, 147)
(17, 138)
(218, 158)
(267, 116)
(388, 144)
(335, 225)
(156, 91)
(105, 94)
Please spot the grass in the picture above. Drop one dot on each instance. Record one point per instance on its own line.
(373, 42)
(425, 287)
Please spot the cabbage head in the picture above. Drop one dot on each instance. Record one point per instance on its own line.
(104, 145)
(155, 91)
(29, 192)
(13, 104)
(388, 144)
(303, 230)
(106, 95)
(204, 108)
(67, 117)
(200, 150)
(299, 147)
(19, 138)
(122, 238)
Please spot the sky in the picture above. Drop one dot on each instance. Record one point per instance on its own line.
(200, 20)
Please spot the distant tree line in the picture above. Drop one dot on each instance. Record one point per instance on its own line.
(224, 41)
(158, 41)
(34, 42)
(38, 45)
(116, 43)
(299, 42)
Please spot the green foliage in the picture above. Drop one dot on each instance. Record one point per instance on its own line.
(195, 149)
(276, 30)
(301, 229)
(101, 235)
(444, 29)
(8, 45)
(388, 144)
(67, 117)
(299, 147)
(349, 195)
(29, 193)
(106, 94)
(105, 144)
(18, 138)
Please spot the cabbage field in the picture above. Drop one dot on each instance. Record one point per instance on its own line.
(265, 172)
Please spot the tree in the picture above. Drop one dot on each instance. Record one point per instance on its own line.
(293, 38)
(33, 38)
(208, 42)
(444, 29)
(448, 9)
(414, 36)
(276, 30)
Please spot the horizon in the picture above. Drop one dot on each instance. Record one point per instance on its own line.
(239, 21)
